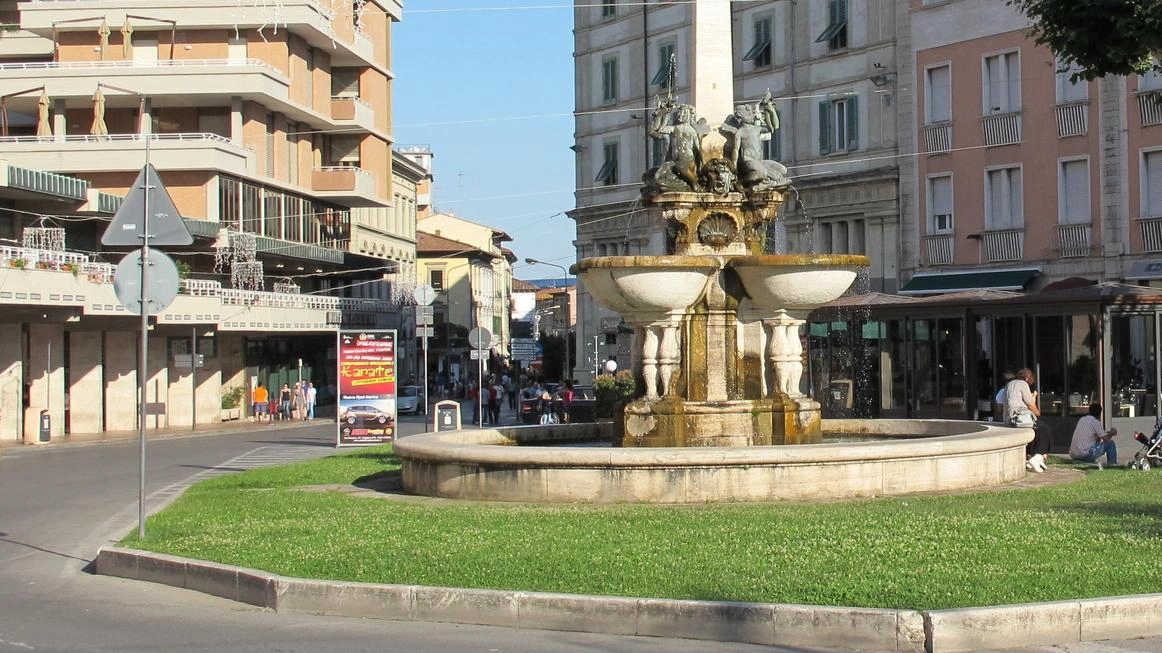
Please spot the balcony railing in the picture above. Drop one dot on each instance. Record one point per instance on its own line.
(1151, 234)
(136, 63)
(187, 137)
(1072, 119)
(1150, 107)
(1002, 128)
(939, 249)
(60, 261)
(938, 138)
(1073, 240)
(1003, 245)
(295, 300)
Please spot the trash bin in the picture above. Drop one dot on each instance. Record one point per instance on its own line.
(45, 426)
(447, 417)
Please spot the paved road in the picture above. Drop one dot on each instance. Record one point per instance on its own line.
(59, 505)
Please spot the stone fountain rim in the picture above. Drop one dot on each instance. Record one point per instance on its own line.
(793, 260)
(644, 261)
(493, 446)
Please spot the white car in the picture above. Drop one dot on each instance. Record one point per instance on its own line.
(408, 400)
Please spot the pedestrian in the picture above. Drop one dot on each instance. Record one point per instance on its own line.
(566, 401)
(284, 402)
(547, 414)
(1022, 410)
(510, 390)
(312, 396)
(259, 400)
(472, 397)
(298, 401)
(1091, 440)
(494, 404)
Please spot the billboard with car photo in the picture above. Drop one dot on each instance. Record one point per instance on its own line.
(367, 387)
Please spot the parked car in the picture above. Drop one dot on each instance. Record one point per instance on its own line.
(364, 413)
(408, 401)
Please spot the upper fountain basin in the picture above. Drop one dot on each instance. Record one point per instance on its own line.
(796, 282)
(636, 284)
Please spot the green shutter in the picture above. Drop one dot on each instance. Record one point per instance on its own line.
(852, 123)
(824, 127)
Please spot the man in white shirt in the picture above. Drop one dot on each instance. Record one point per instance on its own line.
(1091, 440)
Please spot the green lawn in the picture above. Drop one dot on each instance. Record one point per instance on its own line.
(1097, 537)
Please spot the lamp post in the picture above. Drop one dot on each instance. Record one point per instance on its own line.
(532, 261)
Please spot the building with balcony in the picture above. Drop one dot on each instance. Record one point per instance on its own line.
(473, 289)
(1022, 177)
(270, 126)
(831, 67)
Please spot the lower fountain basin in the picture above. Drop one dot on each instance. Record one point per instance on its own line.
(797, 282)
(936, 455)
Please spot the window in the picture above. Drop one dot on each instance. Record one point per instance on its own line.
(838, 125)
(607, 176)
(608, 8)
(836, 33)
(1002, 190)
(665, 65)
(436, 279)
(1073, 192)
(1067, 91)
(657, 151)
(760, 52)
(772, 149)
(609, 80)
(1002, 83)
(938, 94)
(1152, 184)
(940, 205)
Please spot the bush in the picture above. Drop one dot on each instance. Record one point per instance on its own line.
(613, 391)
(232, 397)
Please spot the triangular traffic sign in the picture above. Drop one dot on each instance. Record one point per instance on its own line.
(165, 223)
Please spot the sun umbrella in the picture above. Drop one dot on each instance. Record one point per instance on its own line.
(99, 128)
(126, 40)
(42, 126)
(103, 34)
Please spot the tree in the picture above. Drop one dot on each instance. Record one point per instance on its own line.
(1101, 37)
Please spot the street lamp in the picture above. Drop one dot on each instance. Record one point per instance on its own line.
(533, 261)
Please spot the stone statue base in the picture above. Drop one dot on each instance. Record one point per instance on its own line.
(672, 422)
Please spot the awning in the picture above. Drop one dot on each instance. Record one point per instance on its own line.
(927, 284)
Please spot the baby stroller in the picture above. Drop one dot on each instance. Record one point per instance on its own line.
(1151, 454)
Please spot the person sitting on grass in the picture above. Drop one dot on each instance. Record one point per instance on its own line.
(1091, 440)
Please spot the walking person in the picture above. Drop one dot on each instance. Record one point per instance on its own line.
(284, 402)
(510, 389)
(494, 403)
(312, 395)
(298, 402)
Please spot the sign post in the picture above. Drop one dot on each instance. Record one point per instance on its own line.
(480, 339)
(130, 227)
(424, 296)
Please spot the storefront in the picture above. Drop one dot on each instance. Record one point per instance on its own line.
(945, 356)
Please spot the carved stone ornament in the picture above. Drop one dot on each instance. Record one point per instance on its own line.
(717, 230)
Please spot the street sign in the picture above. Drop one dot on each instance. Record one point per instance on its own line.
(425, 332)
(188, 361)
(422, 320)
(479, 338)
(165, 223)
(424, 295)
(523, 349)
(162, 279)
(476, 354)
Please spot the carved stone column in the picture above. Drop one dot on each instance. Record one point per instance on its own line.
(649, 353)
(785, 352)
(669, 355)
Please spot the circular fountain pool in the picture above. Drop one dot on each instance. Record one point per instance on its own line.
(922, 456)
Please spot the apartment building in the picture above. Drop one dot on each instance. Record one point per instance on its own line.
(830, 65)
(270, 126)
(1024, 177)
(471, 272)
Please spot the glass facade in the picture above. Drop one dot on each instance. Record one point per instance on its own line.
(278, 214)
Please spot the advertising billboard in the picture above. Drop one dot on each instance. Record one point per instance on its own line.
(367, 387)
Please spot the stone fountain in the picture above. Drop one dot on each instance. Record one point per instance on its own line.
(717, 343)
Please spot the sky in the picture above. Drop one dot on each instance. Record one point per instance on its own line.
(489, 87)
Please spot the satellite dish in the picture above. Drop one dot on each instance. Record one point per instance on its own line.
(162, 282)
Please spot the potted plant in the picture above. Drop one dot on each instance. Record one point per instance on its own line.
(232, 402)
(71, 267)
(17, 263)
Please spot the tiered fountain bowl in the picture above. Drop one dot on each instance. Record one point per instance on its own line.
(797, 283)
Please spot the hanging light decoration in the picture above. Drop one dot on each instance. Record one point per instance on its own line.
(44, 238)
(247, 275)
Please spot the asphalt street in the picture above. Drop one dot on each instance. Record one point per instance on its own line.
(60, 504)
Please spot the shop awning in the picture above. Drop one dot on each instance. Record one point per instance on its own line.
(928, 284)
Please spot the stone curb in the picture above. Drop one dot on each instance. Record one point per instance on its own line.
(935, 631)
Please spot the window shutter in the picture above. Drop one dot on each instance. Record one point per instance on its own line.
(939, 95)
(824, 127)
(1075, 192)
(345, 82)
(1153, 165)
(853, 122)
(345, 150)
(1016, 202)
